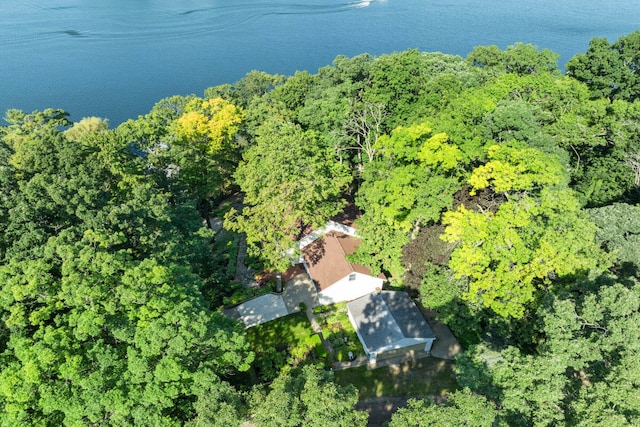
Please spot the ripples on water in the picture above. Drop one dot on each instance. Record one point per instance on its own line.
(116, 58)
(110, 23)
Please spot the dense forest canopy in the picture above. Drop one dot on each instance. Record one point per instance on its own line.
(497, 190)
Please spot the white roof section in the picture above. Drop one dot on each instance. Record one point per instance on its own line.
(388, 320)
(331, 226)
(317, 234)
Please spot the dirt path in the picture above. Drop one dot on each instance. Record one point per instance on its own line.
(318, 330)
(244, 274)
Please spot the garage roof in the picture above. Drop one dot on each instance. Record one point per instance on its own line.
(388, 319)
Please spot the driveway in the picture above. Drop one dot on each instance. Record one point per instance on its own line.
(446, 346)
(258, 310)
(300, 289)
(272, 306)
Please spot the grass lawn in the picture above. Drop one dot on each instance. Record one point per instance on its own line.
(285, 332)
(283, 342)
(428, 376)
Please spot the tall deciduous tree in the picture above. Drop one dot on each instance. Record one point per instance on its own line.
(364, 125)
(610, 70)
(584, 373)
(99, 292)
(290, 180)
(85, 127)
(203, 147)
(412, 84)
(253, 85)
(519, 58)
(619, 231)
(188, 144)
(409, 185)
(308, 398)
(212, 122)
(533, 238)
(462, 408)
(512, 169)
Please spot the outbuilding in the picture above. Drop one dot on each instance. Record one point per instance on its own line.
(389, 324)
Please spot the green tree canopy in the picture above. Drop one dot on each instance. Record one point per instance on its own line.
(609, 69)
(521, 169)
(307, 398)
(253, 85)
(290, 180)
(212, 122)
(462, 408)
(519, 58)
(412, 181)
(619, 231)
(584, 372)
(85, 127)
(189, 145)
(527, 243)
(100, 301)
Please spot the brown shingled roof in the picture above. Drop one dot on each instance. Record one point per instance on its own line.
(326, 258)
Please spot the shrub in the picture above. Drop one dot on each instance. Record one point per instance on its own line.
(270, 363)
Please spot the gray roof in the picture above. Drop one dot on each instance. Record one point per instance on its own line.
(383, 320)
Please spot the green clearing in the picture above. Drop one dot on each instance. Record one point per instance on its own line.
(287, 331)
(290, 341)
(428, 376)
(280, 343)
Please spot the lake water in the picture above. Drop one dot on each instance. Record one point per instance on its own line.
(116, 58)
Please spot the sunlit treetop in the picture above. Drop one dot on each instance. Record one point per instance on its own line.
(214, 121)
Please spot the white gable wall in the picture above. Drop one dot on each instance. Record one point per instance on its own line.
(409, 342)
(347, 290)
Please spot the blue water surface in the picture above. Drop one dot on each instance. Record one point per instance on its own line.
(116, 58)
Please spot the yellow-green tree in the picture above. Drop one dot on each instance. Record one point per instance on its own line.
(513, 169)
(411, 182)
(203, 148)
(539, 235)
(86, 127)
(212, 122)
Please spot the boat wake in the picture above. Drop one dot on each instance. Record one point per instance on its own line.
(135, 22)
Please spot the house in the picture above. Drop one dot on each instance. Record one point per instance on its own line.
(324, 256)
(389, 324)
